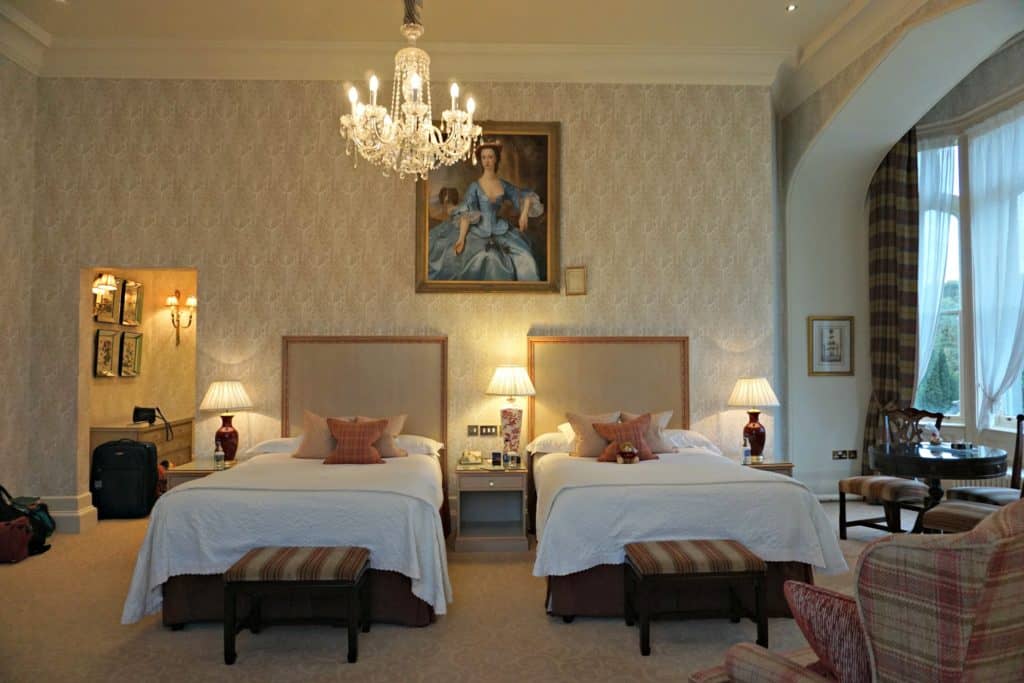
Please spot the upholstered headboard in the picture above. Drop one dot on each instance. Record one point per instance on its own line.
(601, 374)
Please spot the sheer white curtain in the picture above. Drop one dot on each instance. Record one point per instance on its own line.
(936, 175)
(997, 220)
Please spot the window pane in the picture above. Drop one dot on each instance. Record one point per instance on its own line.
(1013, 402)
(939, 390)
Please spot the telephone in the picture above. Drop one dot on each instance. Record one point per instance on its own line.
(470, 458)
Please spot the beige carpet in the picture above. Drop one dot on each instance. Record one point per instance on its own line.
(60, 621)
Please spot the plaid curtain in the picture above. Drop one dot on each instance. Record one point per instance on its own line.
(892, 266)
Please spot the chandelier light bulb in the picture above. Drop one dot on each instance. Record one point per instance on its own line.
(470, 106)
(374, 83)
(454, 90)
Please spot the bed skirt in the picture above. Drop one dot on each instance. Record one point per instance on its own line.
(598, 592)
(193, 597)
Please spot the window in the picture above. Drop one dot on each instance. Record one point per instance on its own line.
(939, 387)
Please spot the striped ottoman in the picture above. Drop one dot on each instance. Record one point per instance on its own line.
(265, 571)
(656, 566)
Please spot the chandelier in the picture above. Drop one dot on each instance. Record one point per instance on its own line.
(405, 140)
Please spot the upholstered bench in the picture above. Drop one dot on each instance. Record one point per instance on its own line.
(265, 571)
(894, 493)
(655, 566)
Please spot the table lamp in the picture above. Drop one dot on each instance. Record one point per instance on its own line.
(753, 393)
(511, 381)
(226, 397)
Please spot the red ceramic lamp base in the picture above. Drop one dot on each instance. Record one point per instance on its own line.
(754, 434)
(227, 437)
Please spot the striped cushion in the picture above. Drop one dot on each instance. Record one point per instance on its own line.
(993, 495)
(342, 563)
(889, 489)
(957, 515)
(692, 557)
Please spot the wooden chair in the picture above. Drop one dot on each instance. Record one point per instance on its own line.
(902, 426)
(996, 495)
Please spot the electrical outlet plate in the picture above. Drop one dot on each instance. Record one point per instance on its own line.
(488, 430)
(839, 455)
(852, 455)
(472, 430)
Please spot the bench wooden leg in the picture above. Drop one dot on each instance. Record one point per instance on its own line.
(842, 515)
(366, 603)
(229, 625)
(354, 612)
(760, 598)
(644, 612)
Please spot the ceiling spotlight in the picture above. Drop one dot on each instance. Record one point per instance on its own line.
(791, 7)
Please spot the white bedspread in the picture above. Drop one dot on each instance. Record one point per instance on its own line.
(204, 526)
(587, 511)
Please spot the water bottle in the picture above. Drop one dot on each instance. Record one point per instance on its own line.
(746, 451)
(218, 457)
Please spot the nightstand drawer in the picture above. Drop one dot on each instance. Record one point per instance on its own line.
(495, 482)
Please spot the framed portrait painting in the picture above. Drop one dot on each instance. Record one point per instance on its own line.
(492, 225)
(829, 345)
(108, 305)
(105, 364)
(131, 303)
(131, 354)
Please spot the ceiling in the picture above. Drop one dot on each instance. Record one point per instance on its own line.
(756, 25)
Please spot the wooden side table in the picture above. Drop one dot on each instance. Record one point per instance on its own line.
(193, 469)
(772, 466)
(491, 510)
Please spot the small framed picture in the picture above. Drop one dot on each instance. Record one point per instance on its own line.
(131, 354)
(829, 345)
(108, 305)
(575, 280)
(495, 458)
(106, 354)
(131, 303)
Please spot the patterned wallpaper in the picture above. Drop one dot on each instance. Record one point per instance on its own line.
(248, 183)
(17, 176)
(997, 75)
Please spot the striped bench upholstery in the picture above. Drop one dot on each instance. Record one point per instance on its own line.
(693, 557)
(993, 495)
(889, 489)
(343, 563)
(955, 516)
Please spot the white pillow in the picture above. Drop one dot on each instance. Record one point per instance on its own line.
(281, 445)
(418, 444)
(686, 438)
(551, 442)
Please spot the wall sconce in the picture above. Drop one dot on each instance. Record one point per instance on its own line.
(104, 282)
(173, 303)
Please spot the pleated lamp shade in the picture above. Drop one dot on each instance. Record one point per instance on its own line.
(510, 380)
(225, 396)
(753, 392)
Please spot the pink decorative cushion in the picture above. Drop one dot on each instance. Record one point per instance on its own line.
(622, 432)
(386, 443)
(355, 442)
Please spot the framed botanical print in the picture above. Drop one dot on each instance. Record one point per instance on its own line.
(131, 303)
(108, 305)
(491, 224)
(829, 345)
(131, 354)
(105, 364)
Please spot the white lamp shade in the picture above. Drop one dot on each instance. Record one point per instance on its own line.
(510, 380)
(753, 392)
(225, 396)
(105, 282)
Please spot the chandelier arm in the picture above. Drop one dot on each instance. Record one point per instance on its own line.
(412, 11)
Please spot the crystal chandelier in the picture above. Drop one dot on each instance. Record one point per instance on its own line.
(405, 140)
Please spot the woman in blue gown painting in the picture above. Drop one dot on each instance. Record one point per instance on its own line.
(477, 242)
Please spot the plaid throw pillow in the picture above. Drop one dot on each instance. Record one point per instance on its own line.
(621, 432)
(355, 442)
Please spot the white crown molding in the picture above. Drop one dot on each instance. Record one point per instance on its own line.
(267, 60)
(858, 27)
(21, 40)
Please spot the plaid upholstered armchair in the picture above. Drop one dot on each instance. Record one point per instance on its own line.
(927, 608)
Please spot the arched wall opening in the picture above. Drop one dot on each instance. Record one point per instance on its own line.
(826, 222)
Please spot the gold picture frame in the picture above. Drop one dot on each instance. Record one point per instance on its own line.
(494, 254)
(830, 348)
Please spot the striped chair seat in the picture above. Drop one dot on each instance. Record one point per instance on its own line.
(341, 563)
(992, 495)
(888, 489)
(693, 557)
(956, 515)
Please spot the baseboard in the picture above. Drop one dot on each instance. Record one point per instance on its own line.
(73, 514)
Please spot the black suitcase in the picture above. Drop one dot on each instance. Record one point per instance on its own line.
(123, 478)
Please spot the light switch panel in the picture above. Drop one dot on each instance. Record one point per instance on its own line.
(488, 430)
(472, 430)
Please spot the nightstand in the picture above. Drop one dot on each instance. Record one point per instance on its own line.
(193, 469)
(491, 510)
(772, 466)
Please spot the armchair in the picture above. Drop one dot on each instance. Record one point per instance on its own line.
(927, 608)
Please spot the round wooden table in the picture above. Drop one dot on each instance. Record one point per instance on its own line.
(935, 463)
